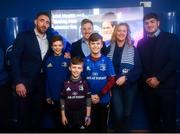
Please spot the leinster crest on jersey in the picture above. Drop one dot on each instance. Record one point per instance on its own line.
(81, 88)
(102, 67)
(64, 64)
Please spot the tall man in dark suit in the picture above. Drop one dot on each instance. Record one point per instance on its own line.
(159, 60)
(29, 51)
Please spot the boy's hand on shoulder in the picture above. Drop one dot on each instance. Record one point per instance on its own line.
(67, 55)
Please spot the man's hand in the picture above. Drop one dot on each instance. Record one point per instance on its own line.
(21, 90)
(49, 101)
(153, 82)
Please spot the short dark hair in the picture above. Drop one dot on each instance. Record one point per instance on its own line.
(43, 13)
(95, 37)
(56, 38)
(76, 60)
(84, 21)
(151, 15)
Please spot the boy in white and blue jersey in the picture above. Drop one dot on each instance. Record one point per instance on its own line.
(99, 73)
(56, 71)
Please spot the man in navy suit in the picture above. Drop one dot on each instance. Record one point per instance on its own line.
(158, 53)
(81, 47)
(30, 49)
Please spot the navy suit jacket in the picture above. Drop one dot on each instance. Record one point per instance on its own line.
(26, 59)
(160, 60)
(76, 49)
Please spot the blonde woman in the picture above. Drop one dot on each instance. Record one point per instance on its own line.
(127, 67)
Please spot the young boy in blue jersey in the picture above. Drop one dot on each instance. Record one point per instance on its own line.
(100, 75)
(56, 71)
(76, 99)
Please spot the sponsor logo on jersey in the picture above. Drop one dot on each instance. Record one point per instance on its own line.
(74, 93)
(95, 74)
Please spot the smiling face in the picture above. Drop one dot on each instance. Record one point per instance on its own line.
(57, 47)
(76, 70)
(107, 30)
(42, 23)
(86, 30)
(122, 32)
(151, 25)
(95, 47)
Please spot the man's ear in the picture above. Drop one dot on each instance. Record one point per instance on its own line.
(35, 22)
(69, 68)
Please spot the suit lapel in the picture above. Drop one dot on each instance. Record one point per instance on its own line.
(157, 49)
(36, 46)
(80, 48)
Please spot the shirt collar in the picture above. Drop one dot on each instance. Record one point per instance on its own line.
(84, 41)
(39, 35)
(155, 34)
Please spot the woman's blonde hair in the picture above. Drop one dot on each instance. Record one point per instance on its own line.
(128, 39)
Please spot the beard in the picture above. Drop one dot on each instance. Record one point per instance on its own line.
(42, 29)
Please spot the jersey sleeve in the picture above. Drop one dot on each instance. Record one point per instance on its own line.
(87, 90)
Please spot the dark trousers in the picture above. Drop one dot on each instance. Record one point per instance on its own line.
(5, 107)
(76, 120)
(31, 108)
(122, 103)
(161, 110)
(99, 117)
(55, 114)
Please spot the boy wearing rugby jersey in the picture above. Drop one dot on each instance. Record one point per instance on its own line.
(99, 73)
(76, 99)
(56, 72)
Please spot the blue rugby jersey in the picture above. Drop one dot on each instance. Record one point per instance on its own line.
(97, 73)
(57, 72)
